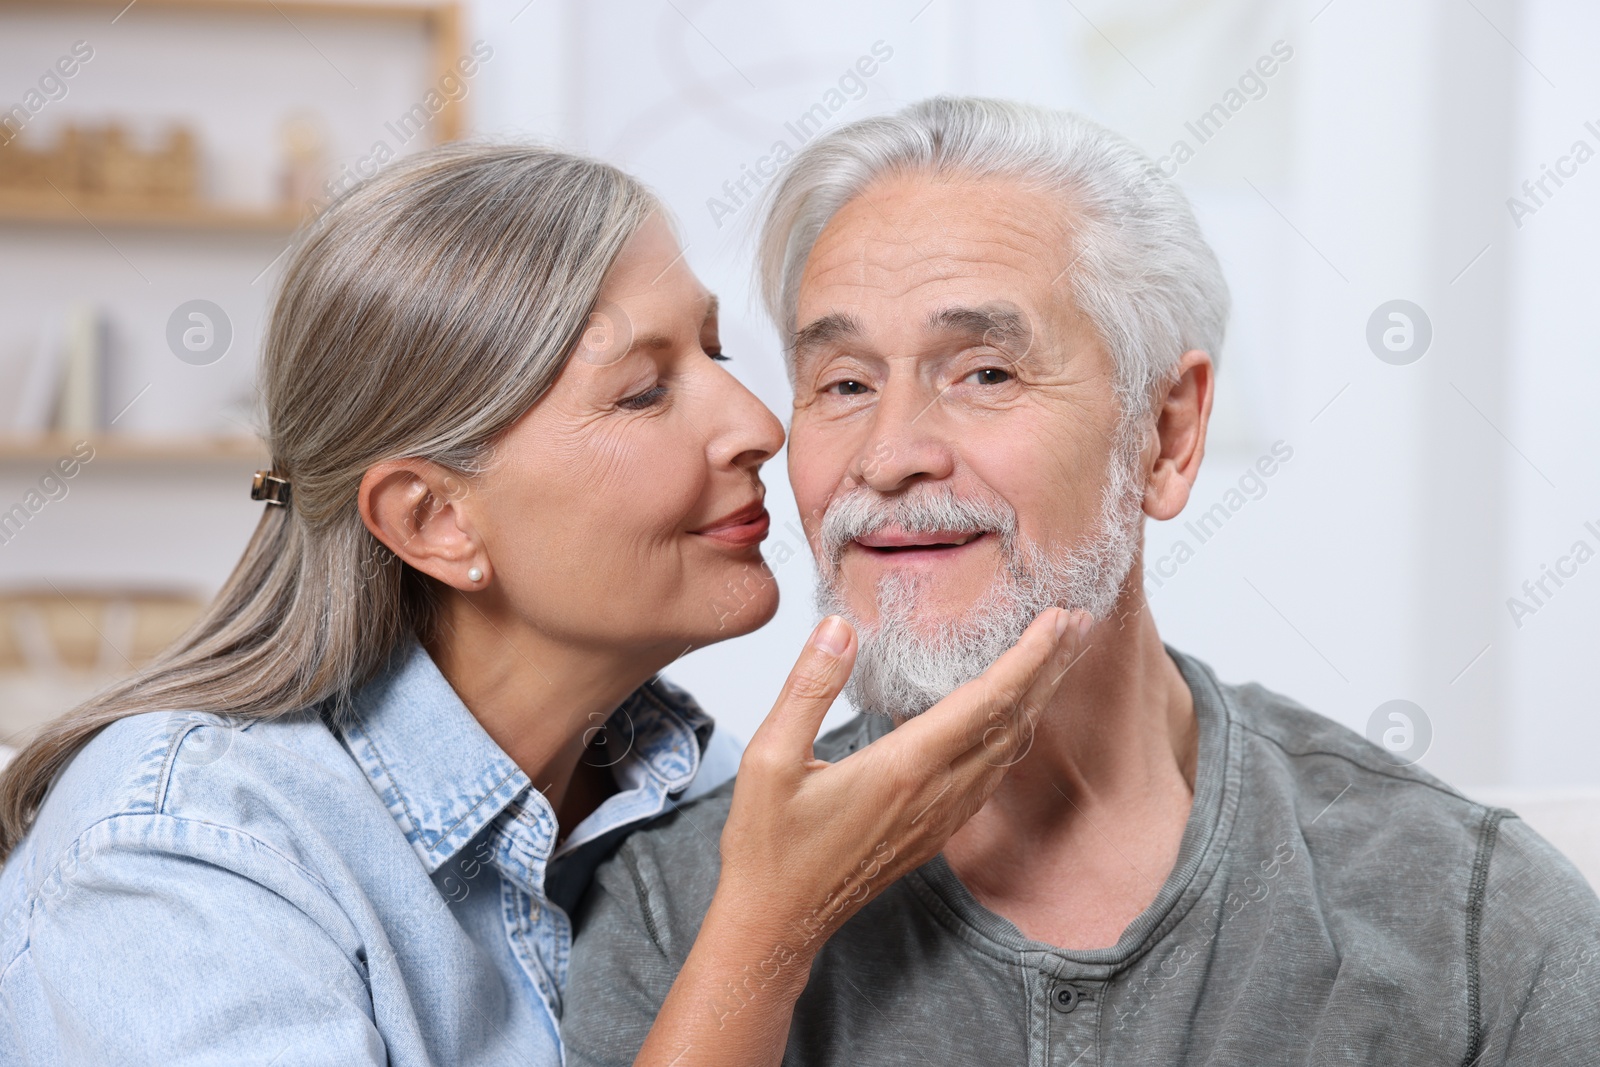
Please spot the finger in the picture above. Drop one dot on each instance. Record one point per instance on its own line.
(954, 725)
(958, 783)
(815, 682)
(1009, 736)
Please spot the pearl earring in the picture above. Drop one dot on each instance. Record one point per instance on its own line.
(474, 575)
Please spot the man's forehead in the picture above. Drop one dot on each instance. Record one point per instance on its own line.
(970, 261)
(933, 255)
(945, 222)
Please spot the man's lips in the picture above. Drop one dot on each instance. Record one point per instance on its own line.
(893, 539)
(747, 526)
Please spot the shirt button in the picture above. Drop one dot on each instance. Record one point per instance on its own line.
(1065, 997)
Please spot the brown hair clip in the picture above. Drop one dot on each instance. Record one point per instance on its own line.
(272, 488)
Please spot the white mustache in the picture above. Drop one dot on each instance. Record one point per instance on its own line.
(863, 510)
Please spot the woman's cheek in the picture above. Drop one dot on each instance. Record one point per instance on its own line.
(649, 479)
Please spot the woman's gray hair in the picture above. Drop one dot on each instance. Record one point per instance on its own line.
(420, 315)
(1139, 267)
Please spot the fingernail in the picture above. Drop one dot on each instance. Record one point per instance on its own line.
(1063, 616)
(1085, 622)
(832, 636)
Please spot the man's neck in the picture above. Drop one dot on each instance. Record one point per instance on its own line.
(1085, 827)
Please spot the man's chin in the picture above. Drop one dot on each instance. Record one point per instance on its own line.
(924, 623)
(908, 660)
(914, 603)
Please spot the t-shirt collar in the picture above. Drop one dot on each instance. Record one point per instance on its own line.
(1211, 813)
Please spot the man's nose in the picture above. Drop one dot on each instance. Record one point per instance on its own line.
(908, 441)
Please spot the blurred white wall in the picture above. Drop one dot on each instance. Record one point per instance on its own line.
(1374, 164)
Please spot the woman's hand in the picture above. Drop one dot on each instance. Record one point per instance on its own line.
(808, 843)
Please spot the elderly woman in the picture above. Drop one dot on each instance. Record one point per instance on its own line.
(343, 820)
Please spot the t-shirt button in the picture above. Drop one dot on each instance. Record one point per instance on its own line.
(1064, 997)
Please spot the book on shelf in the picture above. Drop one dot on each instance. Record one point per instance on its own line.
(57, 386)
(39, 388)
(81, 410)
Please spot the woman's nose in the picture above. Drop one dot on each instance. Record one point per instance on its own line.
(749, 433)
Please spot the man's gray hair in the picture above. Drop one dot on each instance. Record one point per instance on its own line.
(1139, 267)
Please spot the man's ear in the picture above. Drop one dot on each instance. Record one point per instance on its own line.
(418, 510)
(1181, 419)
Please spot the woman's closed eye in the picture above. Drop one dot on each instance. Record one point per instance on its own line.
(654, 395)
(647, 399)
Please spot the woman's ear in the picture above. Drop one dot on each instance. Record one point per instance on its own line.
(1180, 428)
(418, 510)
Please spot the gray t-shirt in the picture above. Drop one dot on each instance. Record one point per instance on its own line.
(1327, 907)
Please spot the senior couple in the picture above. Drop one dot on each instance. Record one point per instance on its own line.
(411, 792)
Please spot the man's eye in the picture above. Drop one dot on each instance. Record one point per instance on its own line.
(649, 398)
(989, 376)
(847, 388)
(718, 354)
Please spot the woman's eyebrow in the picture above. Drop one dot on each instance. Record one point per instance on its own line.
(657, 342)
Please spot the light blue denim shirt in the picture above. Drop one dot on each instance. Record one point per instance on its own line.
(385, 890)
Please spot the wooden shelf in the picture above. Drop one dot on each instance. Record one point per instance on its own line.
(130, 448)
(439, 25)
(53, 209)
(421, 9)
(441, 19)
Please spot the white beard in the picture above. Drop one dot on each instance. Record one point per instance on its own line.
(905, 666)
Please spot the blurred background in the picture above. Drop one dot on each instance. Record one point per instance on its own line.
(1404, 195)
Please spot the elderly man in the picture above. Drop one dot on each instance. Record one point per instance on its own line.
(1002, 324)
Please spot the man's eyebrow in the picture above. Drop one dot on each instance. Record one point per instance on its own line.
(837, 326)
(996, 323)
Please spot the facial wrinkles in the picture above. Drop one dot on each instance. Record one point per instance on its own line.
(887, 233)
(892, 317)
(589, 450)
(586, 441)
(948, 274)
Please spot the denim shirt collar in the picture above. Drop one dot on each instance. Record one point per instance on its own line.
(444, 779)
